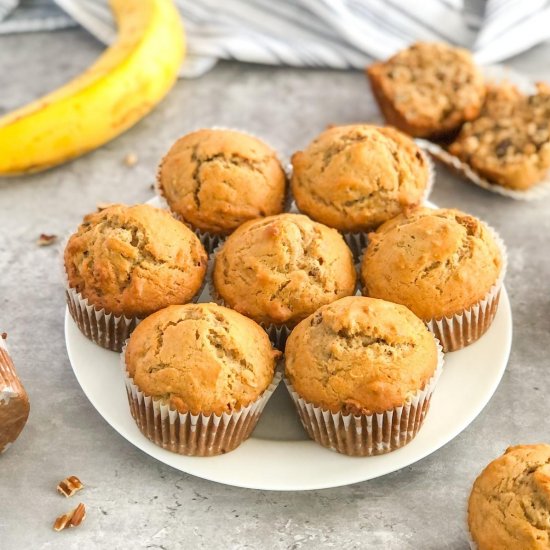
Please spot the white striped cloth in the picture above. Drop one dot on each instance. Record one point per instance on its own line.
(312, 33)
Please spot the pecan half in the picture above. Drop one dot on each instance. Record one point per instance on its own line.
(71, 519)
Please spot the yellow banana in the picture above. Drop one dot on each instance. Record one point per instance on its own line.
(122, 86)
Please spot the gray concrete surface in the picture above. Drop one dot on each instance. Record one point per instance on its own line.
(133, 500)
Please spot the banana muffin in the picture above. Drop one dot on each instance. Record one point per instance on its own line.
(509, 144)
(439, 263)
(355, 177)
(129, 261)
(215, 180)
(280, 269)
(428, 89)
(509, 507)
(199, 360)
(361, 356)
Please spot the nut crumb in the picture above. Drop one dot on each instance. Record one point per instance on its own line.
(70, 519)
(131, 159)
(69, 486)
(4, 336)
(45, 239)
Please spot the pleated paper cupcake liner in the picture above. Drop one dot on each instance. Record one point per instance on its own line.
(212, 240)
(538, 191)
(465, 328)
(367, 434)
(102, 327)
(194, 434)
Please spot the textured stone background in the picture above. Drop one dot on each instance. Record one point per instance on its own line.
(133, 500)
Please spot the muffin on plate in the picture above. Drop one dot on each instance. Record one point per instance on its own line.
(361, 373)
(446, 266)
(356, 177)
(428, 89)
(126, 262)
(216, 179)
(509, 506)
(198, 377)
(509, 144)
(280, 269)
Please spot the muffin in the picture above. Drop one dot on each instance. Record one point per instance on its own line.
(428, 90)
(361, 372)
(14, 401)
(127, 262)
(356, 177)
(509, 144)
(444, 265)
(198, 377)
(509, 507)
(216, 180)
(280, 269)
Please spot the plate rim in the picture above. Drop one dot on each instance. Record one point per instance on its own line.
(159, 453)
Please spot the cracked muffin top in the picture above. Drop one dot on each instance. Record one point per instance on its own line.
(428, 89)
(280, 269)
(201, 358)
(360, 355)
(436, 262)
(354, 178)
(509, 144)
(218, 179)
(134, 260)
(509, 507)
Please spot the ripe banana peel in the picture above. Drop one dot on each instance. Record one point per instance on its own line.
(121, 87)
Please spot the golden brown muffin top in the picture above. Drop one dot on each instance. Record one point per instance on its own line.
(432, 87)
(360, 355)
(354, 178)
(509, 507)
(218, 179)
(510, 142)
(282, 268)
(201, 358)
(436, 262)
(134, 260)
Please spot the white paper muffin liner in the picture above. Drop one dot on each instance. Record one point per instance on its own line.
(278, 334)
(367, 434)
(102, 327)
(193, 434)
(211, 240)
(539, 190)
(463, 329)
(493, 73)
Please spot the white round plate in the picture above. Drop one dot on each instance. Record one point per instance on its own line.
(279, 456)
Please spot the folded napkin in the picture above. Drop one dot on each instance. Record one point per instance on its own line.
(313, 33)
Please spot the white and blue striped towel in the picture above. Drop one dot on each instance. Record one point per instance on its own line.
(312, 33)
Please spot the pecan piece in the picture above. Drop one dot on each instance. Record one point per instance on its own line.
(46, 240)
(69, 486)
(71, 519)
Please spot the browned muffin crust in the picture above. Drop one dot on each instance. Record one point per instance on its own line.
(134, 260)
(428, 89)
(509, 507)
(354, 178)
(509, 144)
(201, 358)
(437, 262)
(360, 355)
(280, 269)
(218, 179)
